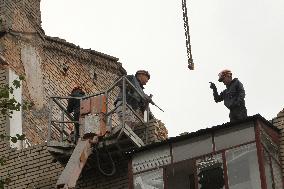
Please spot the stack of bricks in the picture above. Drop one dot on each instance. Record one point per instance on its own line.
(279, 123)
(155, 131)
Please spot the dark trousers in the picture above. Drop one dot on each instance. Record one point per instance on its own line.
(77, 125)
(238, 113)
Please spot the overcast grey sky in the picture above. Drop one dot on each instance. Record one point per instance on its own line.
(245, 36)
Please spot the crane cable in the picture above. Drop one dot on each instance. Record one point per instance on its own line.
(187, 36)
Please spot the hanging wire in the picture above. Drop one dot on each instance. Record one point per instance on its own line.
(99, 163)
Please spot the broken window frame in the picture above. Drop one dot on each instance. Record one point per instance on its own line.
(151, 178)
(207, 163)
(245, 154)
(273, 165)
(178, 168)
(256, 141)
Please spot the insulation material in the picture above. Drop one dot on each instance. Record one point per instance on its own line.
(93, 124)
(243, 167)
(234, 136)
(149, 180)
(151, 159)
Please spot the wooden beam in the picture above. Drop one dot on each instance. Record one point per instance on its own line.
(75, 165)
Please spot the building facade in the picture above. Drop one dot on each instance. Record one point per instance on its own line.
(52, 67)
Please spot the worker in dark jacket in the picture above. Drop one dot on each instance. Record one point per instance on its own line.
(138, 103)
(233, 96)
(73, 105)
(132, 97)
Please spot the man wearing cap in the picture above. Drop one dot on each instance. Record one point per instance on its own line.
(73, 105)
(138, 103)
(233, 96)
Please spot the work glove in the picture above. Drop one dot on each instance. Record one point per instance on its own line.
(212, 85)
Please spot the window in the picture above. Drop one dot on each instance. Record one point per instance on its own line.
(243, 169)
(180, 175)
(149, 180)
(210, 172)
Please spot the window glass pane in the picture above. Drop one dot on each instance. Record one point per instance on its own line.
(149, 180)
(243, 169)
(180, 175)
(234, 136)
(210, 172)
(277, 175)
(268, 174)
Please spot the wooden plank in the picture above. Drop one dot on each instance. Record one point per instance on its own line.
(134, 138)
(75, 165)
(58, 144)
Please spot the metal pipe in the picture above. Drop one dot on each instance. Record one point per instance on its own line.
(63, 109)
(49, 121)
(134, 112)
(147, 125)
(111, 112)
(92, 95)
(123, 107)
(115, 84)
(55, 121)
(61, 126)
(58, 129)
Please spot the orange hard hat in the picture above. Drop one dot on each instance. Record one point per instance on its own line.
(224, 73)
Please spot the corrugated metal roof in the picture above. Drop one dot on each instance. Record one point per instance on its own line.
(208, 131)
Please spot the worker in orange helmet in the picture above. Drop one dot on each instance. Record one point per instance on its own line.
(73, 105)
(233, 96)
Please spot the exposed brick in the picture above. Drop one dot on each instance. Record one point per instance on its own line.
(33, 167)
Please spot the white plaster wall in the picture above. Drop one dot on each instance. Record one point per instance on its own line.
(15, 123)
(32, 64)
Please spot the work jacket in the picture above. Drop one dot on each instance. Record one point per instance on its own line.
(132, 96)
(233, 95)
(73, 105)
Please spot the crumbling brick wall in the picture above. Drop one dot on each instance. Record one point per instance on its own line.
(279, 123)
(41, 59)
(30, 168)
(52, 66)
(21, 16)
(41, 63)
(34, 167)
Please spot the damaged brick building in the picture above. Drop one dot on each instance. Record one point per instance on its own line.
(52, 67)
